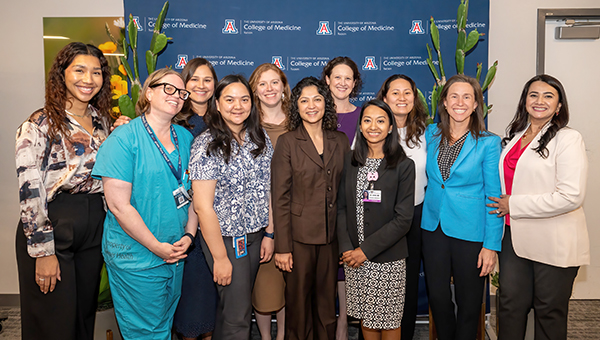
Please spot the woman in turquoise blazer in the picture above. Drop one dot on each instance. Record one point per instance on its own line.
(460, 238)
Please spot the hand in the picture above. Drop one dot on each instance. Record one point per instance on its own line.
(122, 120)
(354, 258)
(165, 251)
(486, 261)
(267, 246)
(501, 205)
(222, 270)
(284, 262)
(180, 249)
(47, 271)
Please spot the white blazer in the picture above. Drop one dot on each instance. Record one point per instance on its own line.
(546, 214)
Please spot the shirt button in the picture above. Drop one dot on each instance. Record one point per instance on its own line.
(366, 224)
(328, 188)
(331, 205)
(329, 171)
(443, 187)
(367, 210)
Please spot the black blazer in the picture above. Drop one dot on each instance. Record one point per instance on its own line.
(385, 224)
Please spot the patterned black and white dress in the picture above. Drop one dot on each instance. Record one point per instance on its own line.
(375, 291)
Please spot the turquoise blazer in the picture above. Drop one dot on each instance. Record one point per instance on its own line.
(459, 203)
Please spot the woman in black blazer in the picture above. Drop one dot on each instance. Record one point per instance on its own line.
(375, 210)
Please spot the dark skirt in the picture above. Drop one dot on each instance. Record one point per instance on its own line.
(195, 314)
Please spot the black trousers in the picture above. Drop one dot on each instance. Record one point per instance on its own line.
(445, 257)
(526, 284)
(69, 311)
(413, 268)
(310, 292)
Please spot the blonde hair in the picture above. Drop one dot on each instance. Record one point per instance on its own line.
(143, 104)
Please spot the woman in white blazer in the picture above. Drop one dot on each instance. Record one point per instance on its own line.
(543, 170)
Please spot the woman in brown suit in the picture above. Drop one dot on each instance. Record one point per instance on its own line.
(306, 171)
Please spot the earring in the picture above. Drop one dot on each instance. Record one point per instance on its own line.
(389, 132)
(282, 96)
(557, 113)
(360, 130)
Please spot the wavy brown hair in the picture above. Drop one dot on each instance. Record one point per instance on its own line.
(476, 123)
(348, 62)
(285, 102)
(183, 117)
(143, 104)
(416, 122)
(329, 118)
(557, 122)
(56, 88)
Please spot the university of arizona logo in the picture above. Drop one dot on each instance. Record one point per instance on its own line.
(229, 27)
(277, 62)
(323, 28)
(182, 60)
(136, 21)
(417, 27)
(370, 64)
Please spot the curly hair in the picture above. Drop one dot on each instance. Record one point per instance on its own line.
(416, 122)
(183, 117)
(56, 88)
(255, 76)
(329, 118)
(521, 118)
(476, 123)
(143, 104)
(222, 134)
(348, 62)
(392, 151)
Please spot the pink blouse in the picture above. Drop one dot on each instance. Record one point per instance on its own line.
(510, 164)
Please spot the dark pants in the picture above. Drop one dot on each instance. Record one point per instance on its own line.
(444, 258)
(413, 268)
(234, 309)
(526, 284)
(69, 311)
(310, 292)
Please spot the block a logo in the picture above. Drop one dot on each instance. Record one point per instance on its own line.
(229, 27)
(417, 27)
(182, 60)
(370, 64)
(323, 28)
(136, 22)
(277, 62)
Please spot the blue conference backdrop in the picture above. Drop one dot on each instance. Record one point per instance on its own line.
(383, 37)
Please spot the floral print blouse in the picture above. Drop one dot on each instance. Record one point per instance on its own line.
(46, 168)
(243, 185)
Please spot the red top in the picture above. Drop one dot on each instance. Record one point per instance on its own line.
(510, 164)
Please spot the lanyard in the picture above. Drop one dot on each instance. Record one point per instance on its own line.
(176, 173)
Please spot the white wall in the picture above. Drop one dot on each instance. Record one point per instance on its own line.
(513, 25)
(22, 92)
(512, 42)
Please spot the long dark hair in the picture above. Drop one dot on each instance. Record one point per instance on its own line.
(476, 123)
(222, 135)
(343, 61)
(392, 151)
(557, 122)
(329, 118)
(285, 101)
(416, 122)
(183, 117)
(56, 89)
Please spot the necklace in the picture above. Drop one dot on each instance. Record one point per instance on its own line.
(76, 115)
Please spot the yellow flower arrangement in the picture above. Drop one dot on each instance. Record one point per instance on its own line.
(108, 47)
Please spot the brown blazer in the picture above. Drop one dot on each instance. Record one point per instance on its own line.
(304, 188)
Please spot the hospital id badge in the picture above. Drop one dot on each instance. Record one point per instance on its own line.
(239, 245)
(373, 196)
(182, 198)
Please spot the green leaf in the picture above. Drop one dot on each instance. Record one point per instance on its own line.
(460, 61)
(433, 70)
(132, 31)
(434, 100)
(461, 16)
(478, 76)
(472, 40)
(127, 69)
(126, 48)
(485, 110)
(150, 66)
(135, 93)
(423, 100)
(161, 43)
(126, 106)
(161, 18)
(489, 77)
(435, 35)
(429, 51)
(461, 40)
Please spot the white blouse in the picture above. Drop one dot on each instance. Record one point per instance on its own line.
(419, 156)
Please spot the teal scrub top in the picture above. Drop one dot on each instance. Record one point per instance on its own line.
(130, 155)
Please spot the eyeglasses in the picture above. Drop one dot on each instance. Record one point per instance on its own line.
(170, 90)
